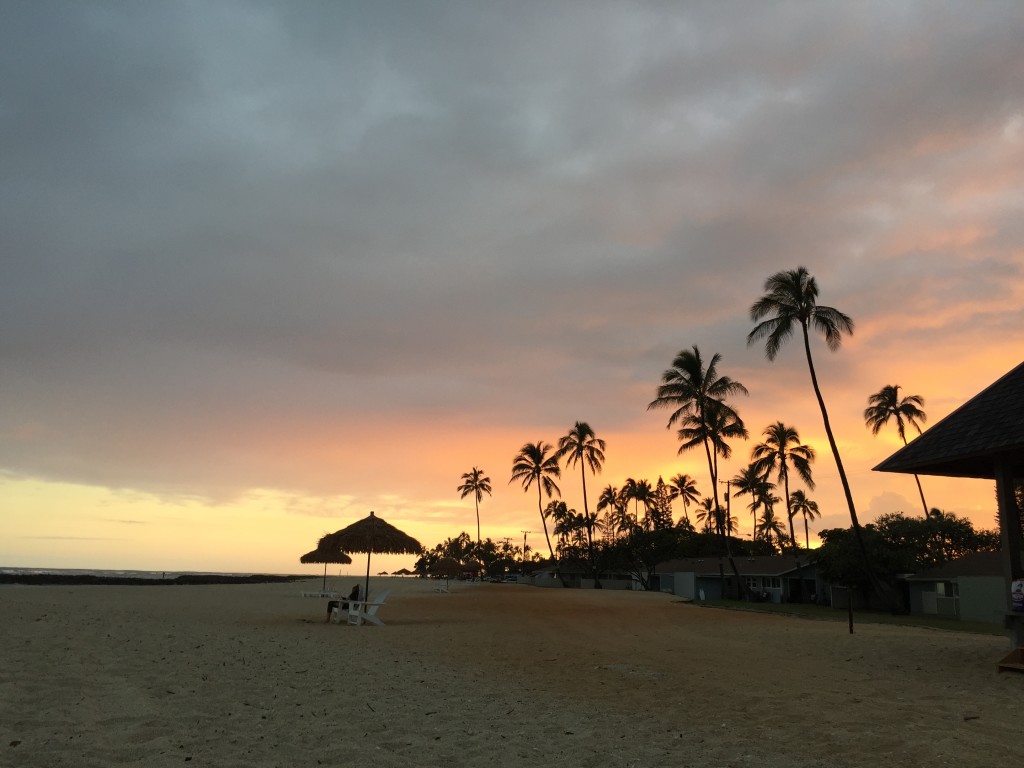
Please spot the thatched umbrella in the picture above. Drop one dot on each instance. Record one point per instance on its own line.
(447, 567)
(370, 535)
(324, 554)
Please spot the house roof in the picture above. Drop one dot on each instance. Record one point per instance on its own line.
(762, 565)
(969, 441)
(976, 564)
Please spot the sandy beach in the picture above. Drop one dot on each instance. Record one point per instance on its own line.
(490, 674)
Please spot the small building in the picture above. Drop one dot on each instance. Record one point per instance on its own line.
(573, 574)
(770, 578)
(983, 438)
(970, 588)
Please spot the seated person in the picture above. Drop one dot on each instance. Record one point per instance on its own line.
(353, 595)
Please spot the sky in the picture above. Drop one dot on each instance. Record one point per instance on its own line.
(269, 266)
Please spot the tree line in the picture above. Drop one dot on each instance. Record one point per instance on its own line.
(699, 398)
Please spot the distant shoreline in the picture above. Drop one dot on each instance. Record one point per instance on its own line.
(44, 579)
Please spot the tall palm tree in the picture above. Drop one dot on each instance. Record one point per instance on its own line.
(697, 394)
(720, 424)
(780, 451)
(808, 509)
(581, 446)
(749, 481)
(477, 483)
(790, 301)
(886, 404)
(643, 493)
(690, 389)
(608, 502)
(536, 464)
(684, 487)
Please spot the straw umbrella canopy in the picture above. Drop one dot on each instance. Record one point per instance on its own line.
(325, 555)
(447, 567)
(372, 535)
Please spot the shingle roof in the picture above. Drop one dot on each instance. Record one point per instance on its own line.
(968, 441)
(976, 564)
(762, 565)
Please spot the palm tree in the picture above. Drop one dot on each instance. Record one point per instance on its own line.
(581, 446)
(800, 504)
(769, 527)
(750, 481)
(691, 389)
(719, 424)
(559, 513)
(684, 487)
(697, 395)
(618, 522)
(780, 449)
(477, 483)
(608, 502)
(886, 404)
(715, 519)
(616, 516)
(706, 515)
(643, 493)
(536, 464)
(637, 491)
(790, 300)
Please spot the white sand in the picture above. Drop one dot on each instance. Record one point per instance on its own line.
(491, 674)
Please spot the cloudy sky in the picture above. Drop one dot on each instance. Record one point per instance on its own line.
(269, 266)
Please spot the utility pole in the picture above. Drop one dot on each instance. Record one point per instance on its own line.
(506, 547)
(728, 504)
(525, 533)
(725, 527)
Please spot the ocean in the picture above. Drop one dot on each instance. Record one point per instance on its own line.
(113, 574)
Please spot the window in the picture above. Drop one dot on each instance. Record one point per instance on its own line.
(772, 582)
(946, 589)
(752, 582)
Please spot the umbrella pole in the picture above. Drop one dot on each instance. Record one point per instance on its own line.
(366, 589)
(369, 551)
(325, 578)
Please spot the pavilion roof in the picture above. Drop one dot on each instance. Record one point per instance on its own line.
(968, 442)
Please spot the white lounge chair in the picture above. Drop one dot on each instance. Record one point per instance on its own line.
(363, 611)
(330, 595)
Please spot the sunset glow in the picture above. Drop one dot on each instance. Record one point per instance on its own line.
(270, 268)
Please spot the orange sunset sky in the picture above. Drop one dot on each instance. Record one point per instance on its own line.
(268, 267)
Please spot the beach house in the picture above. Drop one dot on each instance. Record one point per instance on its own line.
(770, 578)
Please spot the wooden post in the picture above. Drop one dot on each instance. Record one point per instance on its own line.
(1009, 529)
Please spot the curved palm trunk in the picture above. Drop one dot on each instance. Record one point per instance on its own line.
(713, 471)
(807, 535)
(921, 493)
(920, 490)
(792, 535)
(477, 500)
(590, 529)
(544, 522)
(857, 532)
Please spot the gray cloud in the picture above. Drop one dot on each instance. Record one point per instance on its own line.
(224, 222)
